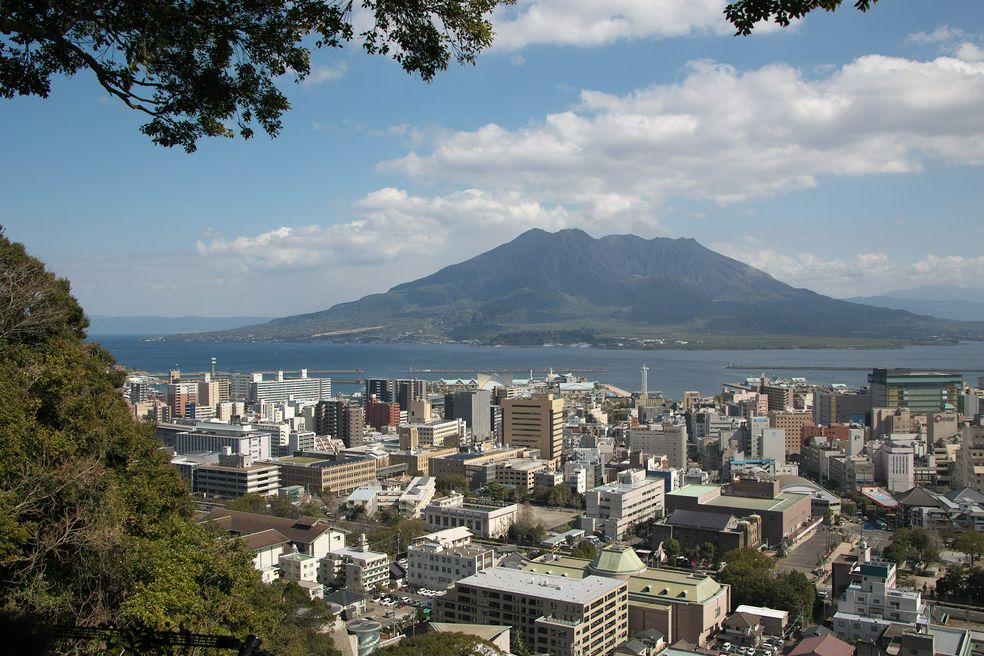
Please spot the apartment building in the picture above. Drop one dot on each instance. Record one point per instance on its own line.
(551, 614)
(519, 473)
(435, 565)
(280, 388)
(668, 440)
(614, 507)
(869, 606)
(219, 436)
(792, 423)
(357, 568)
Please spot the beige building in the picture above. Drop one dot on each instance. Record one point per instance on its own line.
(668, 440)
(614, 507)
(792, 423)
(535, 423)
(969, 469)
(519, 473)
(459, 464)
(551, 614)
(355, 568)
(680, 605)
(317, 474)
(489, 520)
(418, 460)
(433, 433)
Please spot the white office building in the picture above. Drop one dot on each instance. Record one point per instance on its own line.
(633, 499)
(868, 607)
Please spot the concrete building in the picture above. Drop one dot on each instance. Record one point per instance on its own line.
(234, 476)
(417, 461)
(267, 546)
(298, 567)
(357, 569)
(487, 519)
(319, 473)
(280, 388)
(969, 469)
(474, 407)
(535, 423)
(792, 423)
(417, 496)
(839, 407)
(632, 500)
(519, 473)
(552, 614)
(380, 414)
(219, 436)
(668, 440)
(784, 514)
(472, 466)
(681, 606)
(342, 420)
(722, 529)
(435, 433)
(894, 466)
(435, 565)
(920, 391)
(869, 606)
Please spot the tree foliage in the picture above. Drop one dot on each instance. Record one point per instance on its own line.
(584, 549)
(970, 543)
(526, 533)
(751, 575)
(451, 483)
(441, 644)
(909, 542)
(746, 14)
(95, 524)
(208, 68)
(962, 584)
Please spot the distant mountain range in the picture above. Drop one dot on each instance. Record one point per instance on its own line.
(943, 301)
(620, 290)
(101, 324)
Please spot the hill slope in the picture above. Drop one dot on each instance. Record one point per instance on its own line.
(621, 289)
(943, 301)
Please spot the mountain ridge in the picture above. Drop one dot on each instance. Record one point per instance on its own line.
(567, 286)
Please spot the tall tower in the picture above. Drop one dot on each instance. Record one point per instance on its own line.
(645, 380)
(535, 423)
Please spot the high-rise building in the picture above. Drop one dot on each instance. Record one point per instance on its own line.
(408, 391)
(969, 470)
(382, 388)
(380, 413)
(668, 440)
(289, 389)
(792, 423)
(342, 420)
(535, 423)
(832, 407)
(474, 407)
(920, 391)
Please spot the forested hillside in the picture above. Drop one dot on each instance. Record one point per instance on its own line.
(95, 524)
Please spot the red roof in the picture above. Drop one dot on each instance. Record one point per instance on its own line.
(826, 645)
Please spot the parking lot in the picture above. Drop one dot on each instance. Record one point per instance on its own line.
(770, 646)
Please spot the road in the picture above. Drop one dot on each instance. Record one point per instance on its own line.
(804, 556)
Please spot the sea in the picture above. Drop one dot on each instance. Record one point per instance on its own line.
(669, 371)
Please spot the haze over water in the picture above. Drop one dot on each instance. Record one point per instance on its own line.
(670, 371)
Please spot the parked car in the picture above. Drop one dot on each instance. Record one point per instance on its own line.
(726, 646)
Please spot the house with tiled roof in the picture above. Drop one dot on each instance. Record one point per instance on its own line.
(823, 645)
(309, 535)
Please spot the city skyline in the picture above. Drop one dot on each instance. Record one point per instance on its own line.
(840, 155)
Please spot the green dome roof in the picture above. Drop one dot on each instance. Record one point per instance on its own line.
(616, 561)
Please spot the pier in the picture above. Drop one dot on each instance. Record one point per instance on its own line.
(816, 367)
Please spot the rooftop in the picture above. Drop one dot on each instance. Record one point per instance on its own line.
(694, 490)
(542, 585)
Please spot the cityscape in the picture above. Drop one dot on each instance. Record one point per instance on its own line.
(564, 515)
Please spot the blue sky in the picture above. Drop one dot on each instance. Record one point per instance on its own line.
(843, 155)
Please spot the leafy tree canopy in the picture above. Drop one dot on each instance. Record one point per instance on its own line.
(745, 14)
(750, 573)
(207, 68)
(95, 524)
(441, 644)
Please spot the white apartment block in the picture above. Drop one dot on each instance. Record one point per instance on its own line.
(231, 482)
(219, 436)
(356, 569)
(551, 614)
(298, 567)
(289, 389)
(435, 566)
(868, 607)
(418, 494)
(633, 499)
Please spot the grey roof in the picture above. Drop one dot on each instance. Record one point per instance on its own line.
(966, 494)
(918, 497)
(716, 520)
(544, 586)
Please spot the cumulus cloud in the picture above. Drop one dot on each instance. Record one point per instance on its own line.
(942, 34)
(725, 134)
(392, 224)
(854, 275)
(585, 23)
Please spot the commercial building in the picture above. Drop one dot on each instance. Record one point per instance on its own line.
(219, 437)
(784, 514)
(304, 389)
(417, 461)
(234, 476)
(681, 606)
(487, 519)
(920, 391)
(722, 529)
(472, 466)
(668, 440)
(613, 508)
(552, 614)
(969, 468)
(381, 413)
(433, 434)
(474, 407)
(535, 423)
(519, 473)
(838, 407)
(434, 565)
(792, 423)
(320, 473)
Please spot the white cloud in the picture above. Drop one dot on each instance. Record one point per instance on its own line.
(585, 23)
(942, 34)
(725, 135)
(321, 74)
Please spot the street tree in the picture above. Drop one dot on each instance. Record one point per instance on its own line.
(208, 68)
(746, 14)
(970, 543)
